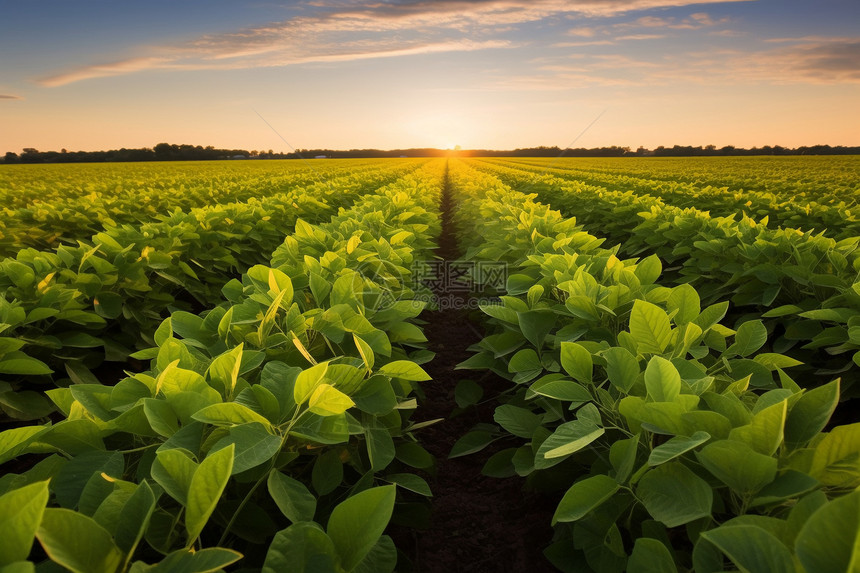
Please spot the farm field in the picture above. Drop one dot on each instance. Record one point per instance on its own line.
(453, 364)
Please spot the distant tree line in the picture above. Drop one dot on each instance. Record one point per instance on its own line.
(185, 152)
(161, 152)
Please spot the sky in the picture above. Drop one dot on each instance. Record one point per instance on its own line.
(486, 74)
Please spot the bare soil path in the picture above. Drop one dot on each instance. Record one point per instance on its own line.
(478, 523)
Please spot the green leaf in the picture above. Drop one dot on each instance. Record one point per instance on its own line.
(254, 446)
(301, 548)
(650, 327)
(676, 446)
(500, 464)
(836, 459)
(77, 542)
(527, 361)
(662, 380)
(560, 388)
(518, 421)
(738, 466)
(569, 438)
(380, 448)
(307, 381)
(279, 282)
(811, 412)
(163, 332)
(766, 430)
(772, 361)
(161, 417)
(375, 396)
(622, 368)
(405, 370)
(13, 441)
(750, 337)
(209, 560)
(414, 455)
(576, 361)
(224, 369)
(134, 518)
(19, 567)
(95, 398)
(752, 549)
(382, 558)
(20, 514)
(73, 476)
(468, 393)
(686, 301)
(470, 443)
(650, 556)
(322, 430)
(829, 542)
(292, 497)
(326, 400)
(648, 269)
(536, 324)
(356, 524)
(327, 473)
(365, 351)
(791, 484)
(20, 274)
(24, 366)
(711, 315)
(173, 471)
(622, 456)
(229, 414)
(108, 304)
(411, 482)
(207, 484)
(583, 497)
(674, 495)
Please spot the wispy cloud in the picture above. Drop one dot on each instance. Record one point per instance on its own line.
(340, 31)
(582, 32)
(641, 37)
(104, 70)
(10, 97)
(820, 62)
(695, 21)
(583, 43)
(645, 28)
(826, 62)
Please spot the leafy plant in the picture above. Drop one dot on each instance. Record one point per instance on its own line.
(286, 408)
(675, 437)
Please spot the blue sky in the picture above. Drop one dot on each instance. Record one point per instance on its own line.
(482, 74)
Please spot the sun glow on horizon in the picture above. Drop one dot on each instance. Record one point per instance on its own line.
(499, 74)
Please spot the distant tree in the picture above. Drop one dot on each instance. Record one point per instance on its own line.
(30, 155)
(10, 157)
(163, 151)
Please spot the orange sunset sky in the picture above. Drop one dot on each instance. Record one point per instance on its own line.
(481, 74)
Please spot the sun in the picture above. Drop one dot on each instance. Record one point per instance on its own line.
(445, 129)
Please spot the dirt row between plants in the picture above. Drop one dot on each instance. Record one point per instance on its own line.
(477, 523)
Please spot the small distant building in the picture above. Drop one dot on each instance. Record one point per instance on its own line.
(321, 157)
(404, 156)
(238, 157)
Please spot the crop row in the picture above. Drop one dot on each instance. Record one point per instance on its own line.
(826, 207)
(275, 426)
(640, 404)
(69, 309)
(58, 211)
(826, 180)
(804, 285)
